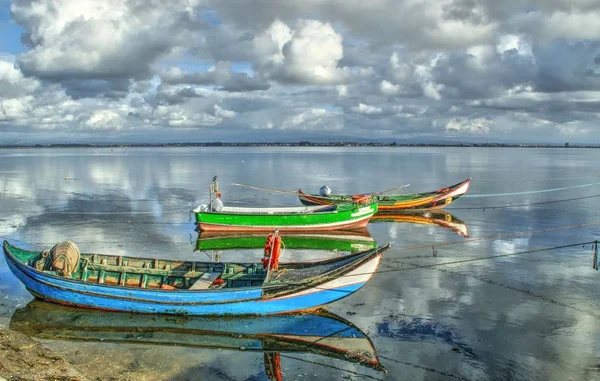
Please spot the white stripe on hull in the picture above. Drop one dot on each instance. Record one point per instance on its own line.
(361, 274)
(457, 192)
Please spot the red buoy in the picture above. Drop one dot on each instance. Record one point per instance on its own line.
(272, 251)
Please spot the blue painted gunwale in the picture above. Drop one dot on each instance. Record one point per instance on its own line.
(247, 301)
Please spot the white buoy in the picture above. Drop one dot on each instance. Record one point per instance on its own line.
(324, 191)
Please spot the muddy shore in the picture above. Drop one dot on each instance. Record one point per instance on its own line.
(23, 358)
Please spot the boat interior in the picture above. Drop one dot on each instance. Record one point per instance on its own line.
(149, 273)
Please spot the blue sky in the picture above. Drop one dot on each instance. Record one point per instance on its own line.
(10, 31)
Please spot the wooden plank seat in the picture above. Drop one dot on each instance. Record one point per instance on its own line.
(205, 281)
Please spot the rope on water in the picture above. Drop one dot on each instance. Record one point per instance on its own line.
(547, 179)
(414, 266)
(499, 236)
(516, 289)
(439, 264)
(362, 375)
(528, 192)
(426, 368)
(526, 204)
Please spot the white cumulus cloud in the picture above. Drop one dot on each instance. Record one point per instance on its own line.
(309, 53)
(367, 109)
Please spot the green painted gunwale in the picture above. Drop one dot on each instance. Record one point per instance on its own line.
(341, 213)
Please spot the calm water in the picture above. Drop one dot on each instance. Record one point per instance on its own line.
(533, 316)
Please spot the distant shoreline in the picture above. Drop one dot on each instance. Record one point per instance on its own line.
(299, 144)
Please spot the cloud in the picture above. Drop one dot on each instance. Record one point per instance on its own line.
(389, 88)
(367, 109)
(305, 119)
(223, 113)
(268, 45)
(398, 70)
(104, 120)
(477, 125)
(13, 83)
(15, 108)
(99, 40)
(219, 75)
(307, 54)
(161, 70)
(564, 66)
(413, 23)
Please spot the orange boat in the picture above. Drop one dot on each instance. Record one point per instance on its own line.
(395, 202)
(430, 217)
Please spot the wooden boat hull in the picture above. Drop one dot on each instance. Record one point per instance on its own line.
(344, 217)
(337, 240)
(394, 203)
(320, 332)
(347, 275)
(426, 217)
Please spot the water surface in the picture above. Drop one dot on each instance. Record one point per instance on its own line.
(531, 316)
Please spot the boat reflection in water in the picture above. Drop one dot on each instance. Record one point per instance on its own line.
(352, 241)
(427, 217)
(320, 332)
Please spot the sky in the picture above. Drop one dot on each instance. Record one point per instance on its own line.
(152, 71)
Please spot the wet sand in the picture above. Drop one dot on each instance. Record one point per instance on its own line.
(23, 358)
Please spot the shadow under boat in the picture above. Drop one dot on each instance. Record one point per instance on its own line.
(352, 241)
(319, 332)
(426, 217)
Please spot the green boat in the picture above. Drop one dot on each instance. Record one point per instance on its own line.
(338, 240)
(216, 217)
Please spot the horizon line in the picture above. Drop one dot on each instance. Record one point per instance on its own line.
(303, 143)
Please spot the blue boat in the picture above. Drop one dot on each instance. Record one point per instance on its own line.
(321, 332)
(158, 286)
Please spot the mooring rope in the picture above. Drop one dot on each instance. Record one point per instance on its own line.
(521, 205)
(414, 266)
(426, 368)
(528, 192)
(330, 366)
(459, 261)
(498, 236)
(546, 179)
(516, 289)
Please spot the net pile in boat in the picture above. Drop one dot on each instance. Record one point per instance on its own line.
(65, 257)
